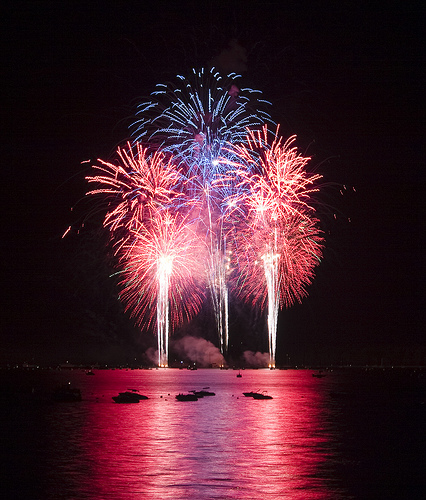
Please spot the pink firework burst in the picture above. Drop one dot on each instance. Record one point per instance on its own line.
(289, 249)
(162, 279)
(168, 249)
(272, 178)
(279, 244)
(135, 186)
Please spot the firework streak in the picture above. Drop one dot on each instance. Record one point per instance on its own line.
(209, 202)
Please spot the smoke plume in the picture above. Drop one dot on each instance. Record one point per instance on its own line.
(256, 360)
(198, 350)
(151, 355)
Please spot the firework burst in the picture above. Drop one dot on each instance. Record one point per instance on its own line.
(195, 117)
(195, 120)
(134, 187)
(280, 243)
(162, 279)
(214, 201)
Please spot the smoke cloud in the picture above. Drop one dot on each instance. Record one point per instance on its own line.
(151, 355)
(198, 350)
(256, 360)
(233, 58)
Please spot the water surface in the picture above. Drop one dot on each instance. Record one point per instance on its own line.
(347, 435)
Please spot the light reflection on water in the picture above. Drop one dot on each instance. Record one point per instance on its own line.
(226, 446)
(309, 442)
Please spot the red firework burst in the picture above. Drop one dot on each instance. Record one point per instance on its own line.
(169, 249)
(280, 234)
(135, 186)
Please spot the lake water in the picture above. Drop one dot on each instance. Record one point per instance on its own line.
(351, 434)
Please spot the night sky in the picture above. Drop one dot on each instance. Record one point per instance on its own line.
(345, 77)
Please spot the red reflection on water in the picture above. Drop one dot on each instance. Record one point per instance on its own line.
(225, 446)
(292, 434)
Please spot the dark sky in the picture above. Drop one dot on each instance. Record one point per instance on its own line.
(346, 78)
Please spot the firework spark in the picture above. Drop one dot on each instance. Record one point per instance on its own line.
(280, 243)
(154, 247)
(161, 267)
(211, 203)
(136, 185)
(196, 120)
(195, 117)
